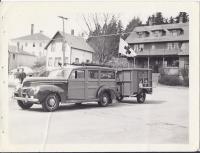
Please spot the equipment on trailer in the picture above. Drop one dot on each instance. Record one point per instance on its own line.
(134, 82)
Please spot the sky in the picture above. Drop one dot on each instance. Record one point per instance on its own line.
(18, 16)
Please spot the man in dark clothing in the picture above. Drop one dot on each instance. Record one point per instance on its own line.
(22, 75)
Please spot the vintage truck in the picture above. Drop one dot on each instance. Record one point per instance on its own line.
(78, 84)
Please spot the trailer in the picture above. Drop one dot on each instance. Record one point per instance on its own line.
(134, 82)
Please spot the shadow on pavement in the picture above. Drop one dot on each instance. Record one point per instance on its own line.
(146, 102)
(72, 107)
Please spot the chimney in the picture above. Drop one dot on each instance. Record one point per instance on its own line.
(181, 19)
(72, 32)
(32, 29)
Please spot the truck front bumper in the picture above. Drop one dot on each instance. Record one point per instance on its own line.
(28, 100)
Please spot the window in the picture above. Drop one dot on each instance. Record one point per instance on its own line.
(176, 45)
(57, 61)
(107, 75)
(33, 44)
(87, 61)
(76, 60)
(93, 74)
(52, 47)
(153, 47)
(183, 46)
(26, 44)
(77, 74)
(40, 44)
(141, 47)
(13, 56)
(66, 61)
(50, 61)
(169, 46)
(136, 47)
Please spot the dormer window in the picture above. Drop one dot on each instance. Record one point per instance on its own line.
(176, 32)
(142, 34)
(158, 33)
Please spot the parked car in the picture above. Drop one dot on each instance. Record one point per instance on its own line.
(76, 84)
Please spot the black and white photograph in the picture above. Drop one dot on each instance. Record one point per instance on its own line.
(99, 76)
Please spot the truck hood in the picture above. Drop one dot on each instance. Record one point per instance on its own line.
(42, 80)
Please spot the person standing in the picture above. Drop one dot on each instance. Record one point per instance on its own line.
(22, 75)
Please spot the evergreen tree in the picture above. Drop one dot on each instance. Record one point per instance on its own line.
(131, 25)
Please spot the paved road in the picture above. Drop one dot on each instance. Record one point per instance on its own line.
(162, 119)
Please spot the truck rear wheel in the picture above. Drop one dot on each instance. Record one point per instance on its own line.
(105, 99)
(51, 103)
(24, 105)
(141, 97)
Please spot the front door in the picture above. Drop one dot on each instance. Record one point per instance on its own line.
(76, 85)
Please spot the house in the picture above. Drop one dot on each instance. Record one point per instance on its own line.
(33, 43)
(77, 50)
(158, 46)
(19, 58)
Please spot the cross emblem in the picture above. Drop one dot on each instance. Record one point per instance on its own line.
(127, 49)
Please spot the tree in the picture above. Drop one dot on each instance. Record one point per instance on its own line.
(182, 16)
(104, 36)
(135, 22)
(159, 19)
(171, 20)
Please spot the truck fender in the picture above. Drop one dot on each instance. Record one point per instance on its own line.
(45, 90)
(102, 89)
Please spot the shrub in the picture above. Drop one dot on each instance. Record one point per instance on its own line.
(171, 80)
(185, 74)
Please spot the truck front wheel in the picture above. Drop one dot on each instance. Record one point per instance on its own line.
(51, 103)
(141, 97)
(24, 105)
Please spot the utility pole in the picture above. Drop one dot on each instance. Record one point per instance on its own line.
(63, 43)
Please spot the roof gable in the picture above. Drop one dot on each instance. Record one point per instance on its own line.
(72, 41)
(36, 36)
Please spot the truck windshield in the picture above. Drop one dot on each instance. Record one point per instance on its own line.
(60, 73)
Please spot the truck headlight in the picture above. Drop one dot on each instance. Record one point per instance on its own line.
(35, 90)
(18, 87)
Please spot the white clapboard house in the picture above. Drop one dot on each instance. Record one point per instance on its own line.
(77, 50)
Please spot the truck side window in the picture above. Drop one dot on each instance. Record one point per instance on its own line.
(107, 75)
(78, 74)
(93, 74)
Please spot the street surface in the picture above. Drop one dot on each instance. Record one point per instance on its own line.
(162, 119)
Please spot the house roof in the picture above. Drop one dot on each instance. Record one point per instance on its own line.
(13, 49)
(73, 41)
(132, 38)
(35, 36)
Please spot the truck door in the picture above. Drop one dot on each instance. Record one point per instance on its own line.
(76, 85)
(92, 83)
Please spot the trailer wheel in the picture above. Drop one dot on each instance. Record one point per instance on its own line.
(105, 99)
(141, 97)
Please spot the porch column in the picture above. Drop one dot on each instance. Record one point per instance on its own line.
(133, 61)
(163, 62)
(148, 62)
